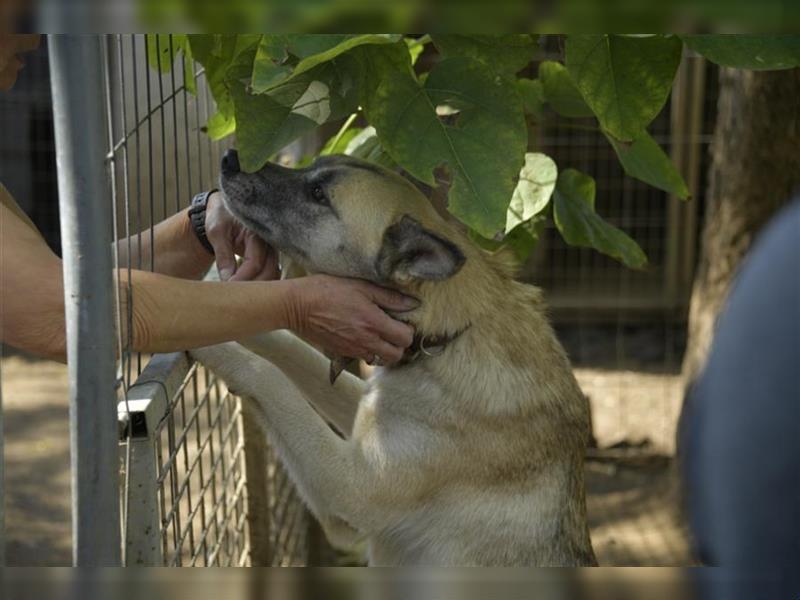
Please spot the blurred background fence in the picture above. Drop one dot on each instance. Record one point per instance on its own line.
(215, 491)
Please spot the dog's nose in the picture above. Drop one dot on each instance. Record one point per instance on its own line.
(230, 162)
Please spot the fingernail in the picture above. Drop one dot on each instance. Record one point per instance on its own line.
(411, 303)
(225, 274)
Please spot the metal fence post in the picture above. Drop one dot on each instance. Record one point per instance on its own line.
(80, 132)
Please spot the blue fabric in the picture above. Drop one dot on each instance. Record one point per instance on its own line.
(740, 431)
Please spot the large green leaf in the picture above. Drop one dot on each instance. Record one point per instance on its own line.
(271, 64)
(223, 57)
(625, 80)
(267, 122)
(580, 225)
(505, 53)
(759, 52)
(271, 68)
(264, 126)
(482, 144)
(537, 180)
(560, 92)
(645, 160)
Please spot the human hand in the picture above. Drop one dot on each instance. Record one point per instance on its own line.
(229, 237)
(344, 316)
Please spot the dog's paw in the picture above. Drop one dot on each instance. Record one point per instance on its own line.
(213, 357)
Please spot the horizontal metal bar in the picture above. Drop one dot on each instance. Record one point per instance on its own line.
(150, 395)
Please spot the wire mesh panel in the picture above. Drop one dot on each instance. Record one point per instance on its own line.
(290, 522)
(201, 475)
(185, 493)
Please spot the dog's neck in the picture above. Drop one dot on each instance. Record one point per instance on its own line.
(450, 307)
(426, 345)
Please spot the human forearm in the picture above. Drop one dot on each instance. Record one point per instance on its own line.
(170, 314)
(172, 247)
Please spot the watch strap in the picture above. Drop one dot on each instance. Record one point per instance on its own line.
(197, 216)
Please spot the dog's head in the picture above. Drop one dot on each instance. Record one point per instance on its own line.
(343, 216)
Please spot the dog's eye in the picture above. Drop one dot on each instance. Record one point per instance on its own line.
(318, 194)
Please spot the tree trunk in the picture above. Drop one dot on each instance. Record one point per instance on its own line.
(755, 169)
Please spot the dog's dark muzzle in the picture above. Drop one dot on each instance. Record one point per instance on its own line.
(230, 162)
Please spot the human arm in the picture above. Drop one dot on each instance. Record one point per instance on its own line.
(169, 314)
(341, 315)
(179, 253)
(31, 286)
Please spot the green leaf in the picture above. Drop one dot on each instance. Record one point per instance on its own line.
(270, 66)
(366, 145)
(522, 240)
(560, 92)
(265, 123)
(580, 225)
(416, 46)
(159, 56)
(645, 160)
(312, 49)
(758, 52)
(222, 56)
(220, 126)
(482, 145)
(532, 95)
(264, 126)
(537, 180)
(505, 53)
(625, 80)
(339, 142)
(188, 66)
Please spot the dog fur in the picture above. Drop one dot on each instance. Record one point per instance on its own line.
(471, 457)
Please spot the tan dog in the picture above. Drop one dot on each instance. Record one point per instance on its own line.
(470, 452)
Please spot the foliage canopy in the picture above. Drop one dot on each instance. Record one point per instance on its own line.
(469, 112)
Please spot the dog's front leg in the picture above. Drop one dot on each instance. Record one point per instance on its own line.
(308, 369)
(330, 473)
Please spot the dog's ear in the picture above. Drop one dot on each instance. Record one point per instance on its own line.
(409, 251)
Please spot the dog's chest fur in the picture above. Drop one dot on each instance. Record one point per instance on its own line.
(482, 458)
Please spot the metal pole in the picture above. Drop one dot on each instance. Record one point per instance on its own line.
(80, 133)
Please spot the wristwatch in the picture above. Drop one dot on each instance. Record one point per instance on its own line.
(197, 216)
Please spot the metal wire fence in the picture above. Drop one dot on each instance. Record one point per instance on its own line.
(185, 486)
(201, 476)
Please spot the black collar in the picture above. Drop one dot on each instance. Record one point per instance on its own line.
(428, 345)
(422, 346)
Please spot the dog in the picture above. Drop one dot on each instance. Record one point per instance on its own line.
(470, 450)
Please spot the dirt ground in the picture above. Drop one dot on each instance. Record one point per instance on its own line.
(632, 495)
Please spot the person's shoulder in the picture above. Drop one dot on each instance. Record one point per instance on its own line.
(7, 201)
(5, 197)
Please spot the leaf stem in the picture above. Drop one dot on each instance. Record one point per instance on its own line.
(343, 128)
(421, 41)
